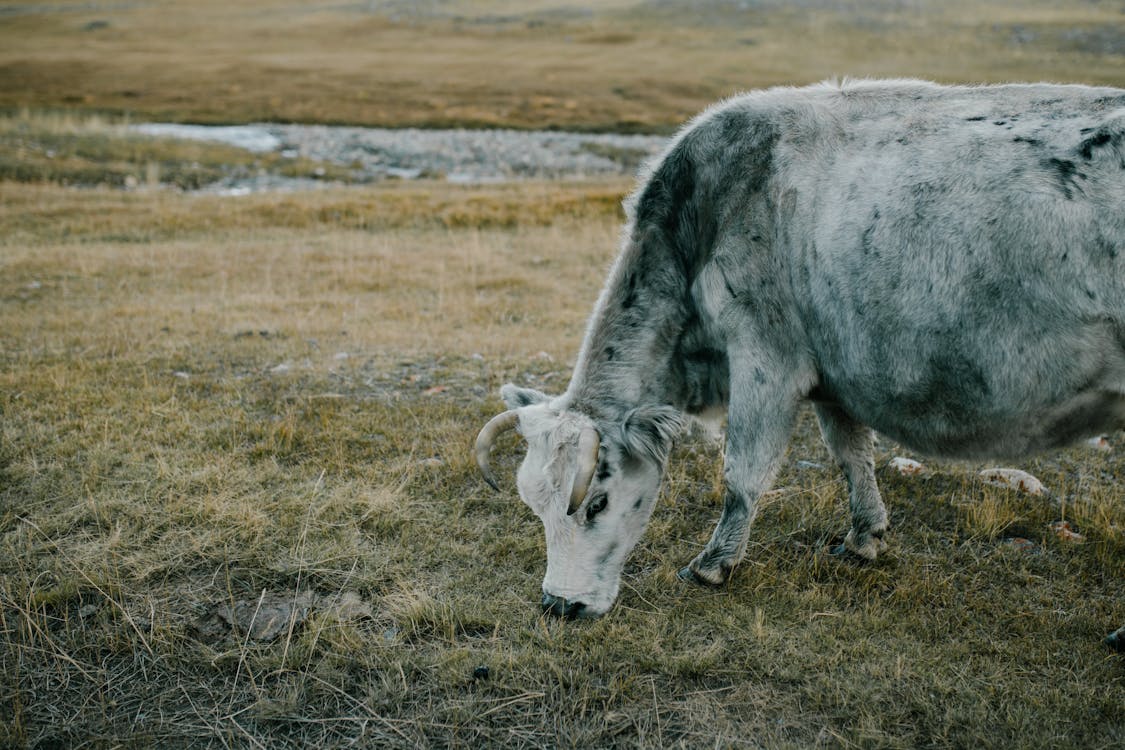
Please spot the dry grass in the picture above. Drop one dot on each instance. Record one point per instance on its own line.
(620, 65)
(265, 408)
(263, 405)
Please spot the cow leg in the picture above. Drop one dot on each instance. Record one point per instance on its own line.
(1116, 640)
(759, 422)
(851, 445)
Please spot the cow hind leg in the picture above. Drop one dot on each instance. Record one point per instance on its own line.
(851, 445)
(1116, 640)
(759, 422)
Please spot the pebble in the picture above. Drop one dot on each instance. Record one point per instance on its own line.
(1064, 531)
(908, 467)
(1013, 479)
(1021, 544)
(1100, 443)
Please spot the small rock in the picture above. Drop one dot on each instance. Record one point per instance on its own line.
(181, 374)
(1020, 543)
(1100, 443)
(34, 285)
(477, 356)
(88, 611)
(1013, 479)
(267, 617)
(281, 369)
(806, 465)
(349, 606)
(1064, 531)
(341, 356)
(908, 467)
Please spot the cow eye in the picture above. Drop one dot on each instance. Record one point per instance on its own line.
(596, 506)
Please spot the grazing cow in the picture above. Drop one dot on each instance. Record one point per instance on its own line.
(945, 265)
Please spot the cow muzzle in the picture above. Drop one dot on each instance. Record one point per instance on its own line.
(558, 606)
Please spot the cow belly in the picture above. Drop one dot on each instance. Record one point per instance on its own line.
(944, 432)
(967, 411)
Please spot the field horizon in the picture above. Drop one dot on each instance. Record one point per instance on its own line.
(614, 66)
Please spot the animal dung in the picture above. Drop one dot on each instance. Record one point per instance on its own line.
(1013, 479)
(907, 467)
(1064, 531)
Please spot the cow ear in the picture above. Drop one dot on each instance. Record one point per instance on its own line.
(515, 396)
(650, 430)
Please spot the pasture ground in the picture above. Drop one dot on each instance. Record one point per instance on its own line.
(211, 403)
(237, 505)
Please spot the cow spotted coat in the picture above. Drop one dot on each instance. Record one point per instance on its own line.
(945, 265)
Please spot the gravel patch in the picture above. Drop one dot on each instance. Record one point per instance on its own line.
(462, 156)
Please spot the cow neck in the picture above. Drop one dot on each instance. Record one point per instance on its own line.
(632, 334)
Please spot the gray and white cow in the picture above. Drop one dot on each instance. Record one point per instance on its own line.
(945, 265)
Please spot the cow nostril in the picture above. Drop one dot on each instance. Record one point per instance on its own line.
(573, 610)
(559, 607)
(552, 605)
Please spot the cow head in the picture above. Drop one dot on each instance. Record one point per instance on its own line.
(593, 485)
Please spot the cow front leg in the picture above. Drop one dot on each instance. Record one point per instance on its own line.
(1116, 640)
(851, 444)
(760, 420)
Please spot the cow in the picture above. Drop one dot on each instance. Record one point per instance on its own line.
(944, 265)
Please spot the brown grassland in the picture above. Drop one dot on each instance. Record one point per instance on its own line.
(609, 65)
(215, 408)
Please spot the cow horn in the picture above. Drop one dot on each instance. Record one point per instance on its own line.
(500, 423)
(588, 443)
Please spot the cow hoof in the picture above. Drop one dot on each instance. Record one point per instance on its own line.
(690, 576)
(867, 545)
(1116, 641)
(847, 554)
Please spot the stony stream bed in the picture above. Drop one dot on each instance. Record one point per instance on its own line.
(461, 156)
